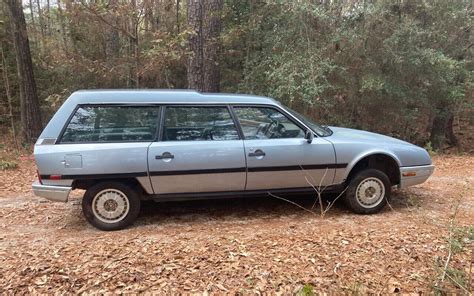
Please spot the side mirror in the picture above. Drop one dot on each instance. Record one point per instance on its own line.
(309, 136)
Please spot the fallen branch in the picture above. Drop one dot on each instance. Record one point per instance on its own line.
(451, 228)
(294, 203)
(319, 191)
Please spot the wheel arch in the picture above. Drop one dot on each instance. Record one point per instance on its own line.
(382, 160)
(140, 185)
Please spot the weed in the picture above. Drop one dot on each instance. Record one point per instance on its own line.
(8, 165)
(306, 290)
(356, 289)
(458, 237)
(250, 281)
(457, 276)
(413, 201)
(429, 148)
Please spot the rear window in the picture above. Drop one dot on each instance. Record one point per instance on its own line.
(112, 124)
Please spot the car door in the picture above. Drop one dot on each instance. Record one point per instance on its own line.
(278, 155)
(200, 150)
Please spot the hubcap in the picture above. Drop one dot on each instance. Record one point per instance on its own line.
(110, 205)
(370, 192)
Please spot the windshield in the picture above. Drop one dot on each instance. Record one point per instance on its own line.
(322, 131)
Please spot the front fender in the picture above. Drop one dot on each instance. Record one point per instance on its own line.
(363, 155)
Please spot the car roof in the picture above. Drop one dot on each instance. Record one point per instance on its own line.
(143, 96)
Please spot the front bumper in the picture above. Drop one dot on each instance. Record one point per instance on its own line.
(53, 193)
(410, 176)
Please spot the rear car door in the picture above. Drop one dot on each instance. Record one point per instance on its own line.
(199, 150)
(278, 155)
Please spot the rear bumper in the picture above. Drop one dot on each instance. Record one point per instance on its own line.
(410, 176)
(53, 193)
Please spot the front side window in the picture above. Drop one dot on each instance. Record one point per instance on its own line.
(266, 123)
(112, 124)
(198, 124)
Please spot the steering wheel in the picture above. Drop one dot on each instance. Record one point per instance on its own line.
(259, 130)
(207, 134)
(267, 130)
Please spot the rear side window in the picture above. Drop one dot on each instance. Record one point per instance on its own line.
(112, 124)
(199, 124)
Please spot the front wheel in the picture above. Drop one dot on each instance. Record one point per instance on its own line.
(368, 192)
(111, 205)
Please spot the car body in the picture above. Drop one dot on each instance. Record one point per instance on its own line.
(173, 144)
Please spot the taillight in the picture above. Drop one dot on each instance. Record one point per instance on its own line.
(39, 177)
(55, 177)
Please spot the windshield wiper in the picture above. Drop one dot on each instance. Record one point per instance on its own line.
(327, 129)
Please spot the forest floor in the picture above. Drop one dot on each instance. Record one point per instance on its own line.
(244, 245)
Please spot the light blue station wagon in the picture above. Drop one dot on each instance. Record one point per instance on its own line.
(123, 146)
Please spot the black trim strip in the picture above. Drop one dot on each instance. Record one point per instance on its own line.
(98, 176)
(297, 167)
(195, 172)
(203, 171)
(414, 166)
(236, 122)
(254, 169)
(244, 193)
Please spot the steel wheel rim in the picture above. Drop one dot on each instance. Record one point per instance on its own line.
(110, 205)
(370, 192)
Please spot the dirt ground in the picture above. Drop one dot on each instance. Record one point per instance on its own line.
(244, 246)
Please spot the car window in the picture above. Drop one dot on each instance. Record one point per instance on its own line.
(112, 124)
(198, 124)
(266, 123)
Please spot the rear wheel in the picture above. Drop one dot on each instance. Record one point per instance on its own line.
(111, 205)
(368, 192)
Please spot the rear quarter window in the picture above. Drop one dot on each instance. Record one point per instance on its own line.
(112, 124)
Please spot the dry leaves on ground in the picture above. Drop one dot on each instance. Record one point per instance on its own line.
(238, 246)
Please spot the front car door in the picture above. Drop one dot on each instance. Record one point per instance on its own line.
(278, 155)
(200, 151)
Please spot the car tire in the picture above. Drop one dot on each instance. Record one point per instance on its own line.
(368, 192)
(111, 205)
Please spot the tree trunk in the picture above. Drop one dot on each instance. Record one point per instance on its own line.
(48, 17)
(149, 17)
(9, 97)
(195, 61)
(30, 111)
(32, 13)
(112, 46)
(134, 69)
(204, 19)
(40, 18)
(156, 15)
(72, 23)
(438, 130)
(177, 17)
(449, 131)
(63, 27)
(211, 32)
(112, 41)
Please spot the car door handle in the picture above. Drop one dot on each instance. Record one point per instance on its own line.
(165, 155)
(257, 153)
